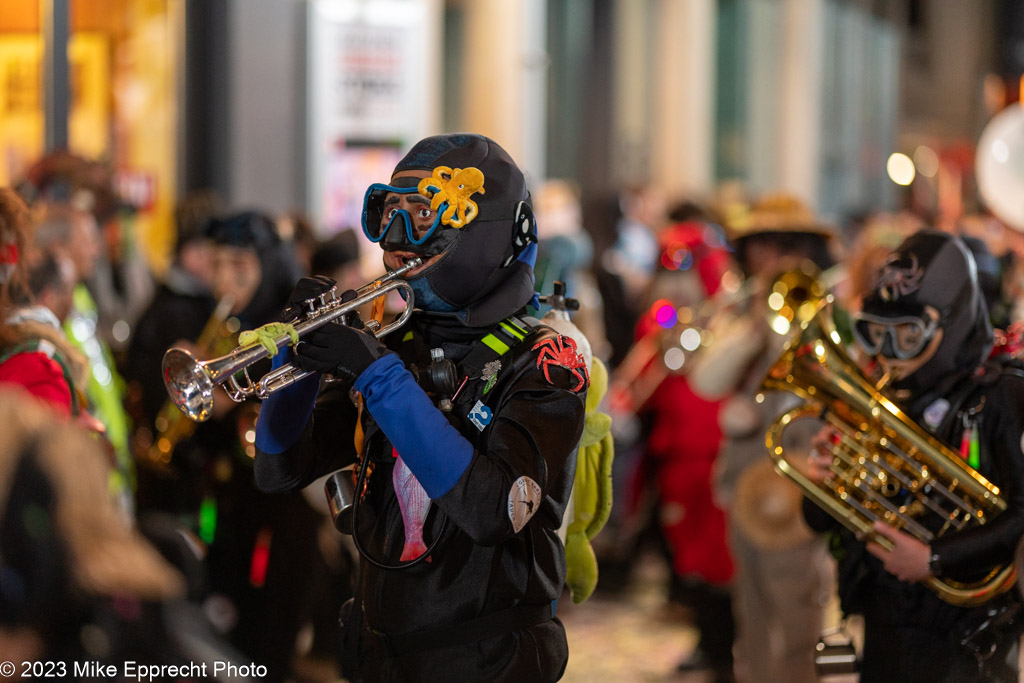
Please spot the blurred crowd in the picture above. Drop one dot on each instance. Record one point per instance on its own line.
(128, 529)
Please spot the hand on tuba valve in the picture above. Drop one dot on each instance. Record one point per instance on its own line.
(882, 467)
(190, 382)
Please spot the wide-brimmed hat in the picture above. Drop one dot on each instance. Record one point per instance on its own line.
(775, 213)
(768, 509)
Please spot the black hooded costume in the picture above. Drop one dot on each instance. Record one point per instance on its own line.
(474, 602)
(969, 403)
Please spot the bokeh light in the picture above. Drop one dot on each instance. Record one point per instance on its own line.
(664, 313)
(926, 161)
(900, 168)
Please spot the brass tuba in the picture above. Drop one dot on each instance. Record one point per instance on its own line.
(886, 467)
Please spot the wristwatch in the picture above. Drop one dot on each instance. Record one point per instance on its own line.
(933, 565)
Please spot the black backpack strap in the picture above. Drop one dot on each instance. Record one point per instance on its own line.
(495, 344)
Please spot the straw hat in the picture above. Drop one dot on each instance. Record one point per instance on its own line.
(775, 213)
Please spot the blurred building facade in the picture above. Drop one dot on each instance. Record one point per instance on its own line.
(291, 104)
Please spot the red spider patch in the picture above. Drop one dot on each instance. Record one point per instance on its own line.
(561, 352)
(1009, 342)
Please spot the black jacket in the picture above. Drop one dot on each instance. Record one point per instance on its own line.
(480, 564)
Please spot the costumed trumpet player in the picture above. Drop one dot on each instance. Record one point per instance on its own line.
(783, 575)
(180, 310)
(464, 438)
(926, 326)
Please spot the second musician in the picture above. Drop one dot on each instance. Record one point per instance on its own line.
(926, 325)
(782, 577)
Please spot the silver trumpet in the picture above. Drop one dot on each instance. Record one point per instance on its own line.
(190, 381)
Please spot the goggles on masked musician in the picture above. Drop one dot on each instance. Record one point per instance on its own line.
(899, 338)
(378, 217)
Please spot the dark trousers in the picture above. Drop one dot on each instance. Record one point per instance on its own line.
(906, 653)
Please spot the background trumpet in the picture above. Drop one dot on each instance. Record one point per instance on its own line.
(682, 334)
(171, 426)
(190, 382)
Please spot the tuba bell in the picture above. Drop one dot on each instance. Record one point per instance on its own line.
(886, 467)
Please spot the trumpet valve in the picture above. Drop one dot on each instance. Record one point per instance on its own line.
(320, 302)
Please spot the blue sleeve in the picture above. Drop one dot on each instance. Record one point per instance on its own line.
(432, 448)
(284, 415)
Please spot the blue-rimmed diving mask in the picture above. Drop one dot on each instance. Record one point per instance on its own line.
(384, 207)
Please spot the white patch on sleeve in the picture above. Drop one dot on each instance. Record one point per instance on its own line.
(935, 412)
(1022, 443)
(523, 502)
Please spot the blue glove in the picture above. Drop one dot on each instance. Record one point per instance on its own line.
(339, 350)
(433, 449)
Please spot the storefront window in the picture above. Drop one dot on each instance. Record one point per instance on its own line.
(122, 63)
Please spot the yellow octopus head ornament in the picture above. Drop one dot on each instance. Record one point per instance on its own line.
(454, 187)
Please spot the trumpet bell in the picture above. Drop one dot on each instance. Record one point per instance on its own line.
(188, 384)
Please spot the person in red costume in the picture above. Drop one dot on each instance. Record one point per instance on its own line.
(683, 436)
(34, 352)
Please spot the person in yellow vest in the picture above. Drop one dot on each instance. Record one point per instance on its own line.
(72, 235)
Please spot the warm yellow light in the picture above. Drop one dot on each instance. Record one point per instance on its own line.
(780, 325)
(900, 168)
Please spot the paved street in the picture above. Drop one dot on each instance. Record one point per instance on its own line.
(631, 636)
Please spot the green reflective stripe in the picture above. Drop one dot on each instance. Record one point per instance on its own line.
(495, 344)
(512, 331)
(408, 336)
(518, 324)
